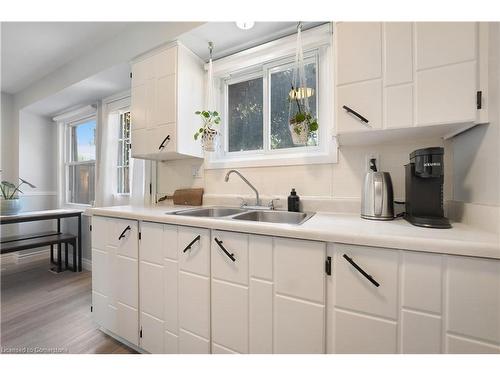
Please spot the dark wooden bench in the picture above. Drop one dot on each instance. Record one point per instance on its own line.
(34, 240)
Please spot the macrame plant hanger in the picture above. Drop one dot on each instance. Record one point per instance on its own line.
(298, 108)
(209, 137)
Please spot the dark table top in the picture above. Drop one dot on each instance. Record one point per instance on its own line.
(39, 215)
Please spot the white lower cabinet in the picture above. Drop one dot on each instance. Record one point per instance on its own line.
(115, 302)
(424, 303)
(268, 294)
(175, 289)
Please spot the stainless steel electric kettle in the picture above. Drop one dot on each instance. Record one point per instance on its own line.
(377, 198)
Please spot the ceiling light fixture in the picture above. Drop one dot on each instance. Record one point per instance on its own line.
(245, 25)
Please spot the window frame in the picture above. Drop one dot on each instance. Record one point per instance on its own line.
(67, 157)
(122, 112)
(265, 60)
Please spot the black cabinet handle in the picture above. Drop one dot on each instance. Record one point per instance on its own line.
(361, 271)
(352, 111)
(229, 255)
(191, 243)
(162, 145)
(124, 231)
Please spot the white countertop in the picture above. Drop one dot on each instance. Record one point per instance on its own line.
(335, 227)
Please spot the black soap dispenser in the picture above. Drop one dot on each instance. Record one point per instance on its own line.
(293, 201)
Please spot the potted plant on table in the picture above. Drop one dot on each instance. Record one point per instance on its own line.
(207, 131)
(11, 203)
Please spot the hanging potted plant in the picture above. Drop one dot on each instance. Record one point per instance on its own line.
(211, 119)
(11, 203)
(301, 120)
(207, 132)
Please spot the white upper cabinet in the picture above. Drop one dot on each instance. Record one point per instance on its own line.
(359, 47)
(167, 88)
(393, 78)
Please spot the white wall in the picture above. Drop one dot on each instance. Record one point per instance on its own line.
(10, 138)
(37, 164)
(334, 182)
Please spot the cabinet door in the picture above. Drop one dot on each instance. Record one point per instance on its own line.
(365, 98)
(359, 51)
(299, 298)
(115, 276)
(473, 298)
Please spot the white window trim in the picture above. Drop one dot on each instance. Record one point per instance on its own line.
(260, 60)
(120, 102)
(62, 120)
(122, 111)
(67, 156)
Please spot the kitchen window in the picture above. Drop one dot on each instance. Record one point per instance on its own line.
(253, 90)
(80, 161)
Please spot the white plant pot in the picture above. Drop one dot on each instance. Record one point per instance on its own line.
(10, 206)
(300, 133)
(208, 140)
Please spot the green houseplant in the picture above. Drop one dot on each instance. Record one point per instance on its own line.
(207, 132)
(302, 121)
(10, 203)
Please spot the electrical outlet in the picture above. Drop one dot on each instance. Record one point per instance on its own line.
(195, 171)
(370, 156)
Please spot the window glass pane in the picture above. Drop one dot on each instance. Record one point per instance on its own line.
(281, 84)
(83, 141)
(123, 183)
(81, 183)
(245, 121)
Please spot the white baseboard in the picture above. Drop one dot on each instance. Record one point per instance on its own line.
(19, 257)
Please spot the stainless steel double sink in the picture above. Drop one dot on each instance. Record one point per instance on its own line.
(233, 213)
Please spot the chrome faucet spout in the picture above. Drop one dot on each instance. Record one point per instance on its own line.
(257, 199)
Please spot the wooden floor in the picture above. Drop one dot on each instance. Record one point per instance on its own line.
(46, 312)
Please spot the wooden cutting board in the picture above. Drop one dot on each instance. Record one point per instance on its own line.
(188, 197)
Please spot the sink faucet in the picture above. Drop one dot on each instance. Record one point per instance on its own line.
(257, 199)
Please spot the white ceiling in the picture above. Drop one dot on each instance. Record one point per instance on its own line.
(88, 91)
(31, 50)
(229, 39)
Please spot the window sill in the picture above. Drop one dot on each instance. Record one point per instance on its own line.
(271, 161)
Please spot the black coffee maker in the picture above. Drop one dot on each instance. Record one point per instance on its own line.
(424, 188)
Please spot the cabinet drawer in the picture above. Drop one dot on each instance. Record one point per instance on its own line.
(223, 267)
(354, 291)
(196, 259)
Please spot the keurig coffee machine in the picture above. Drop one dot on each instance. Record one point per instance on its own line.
(424, 188)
